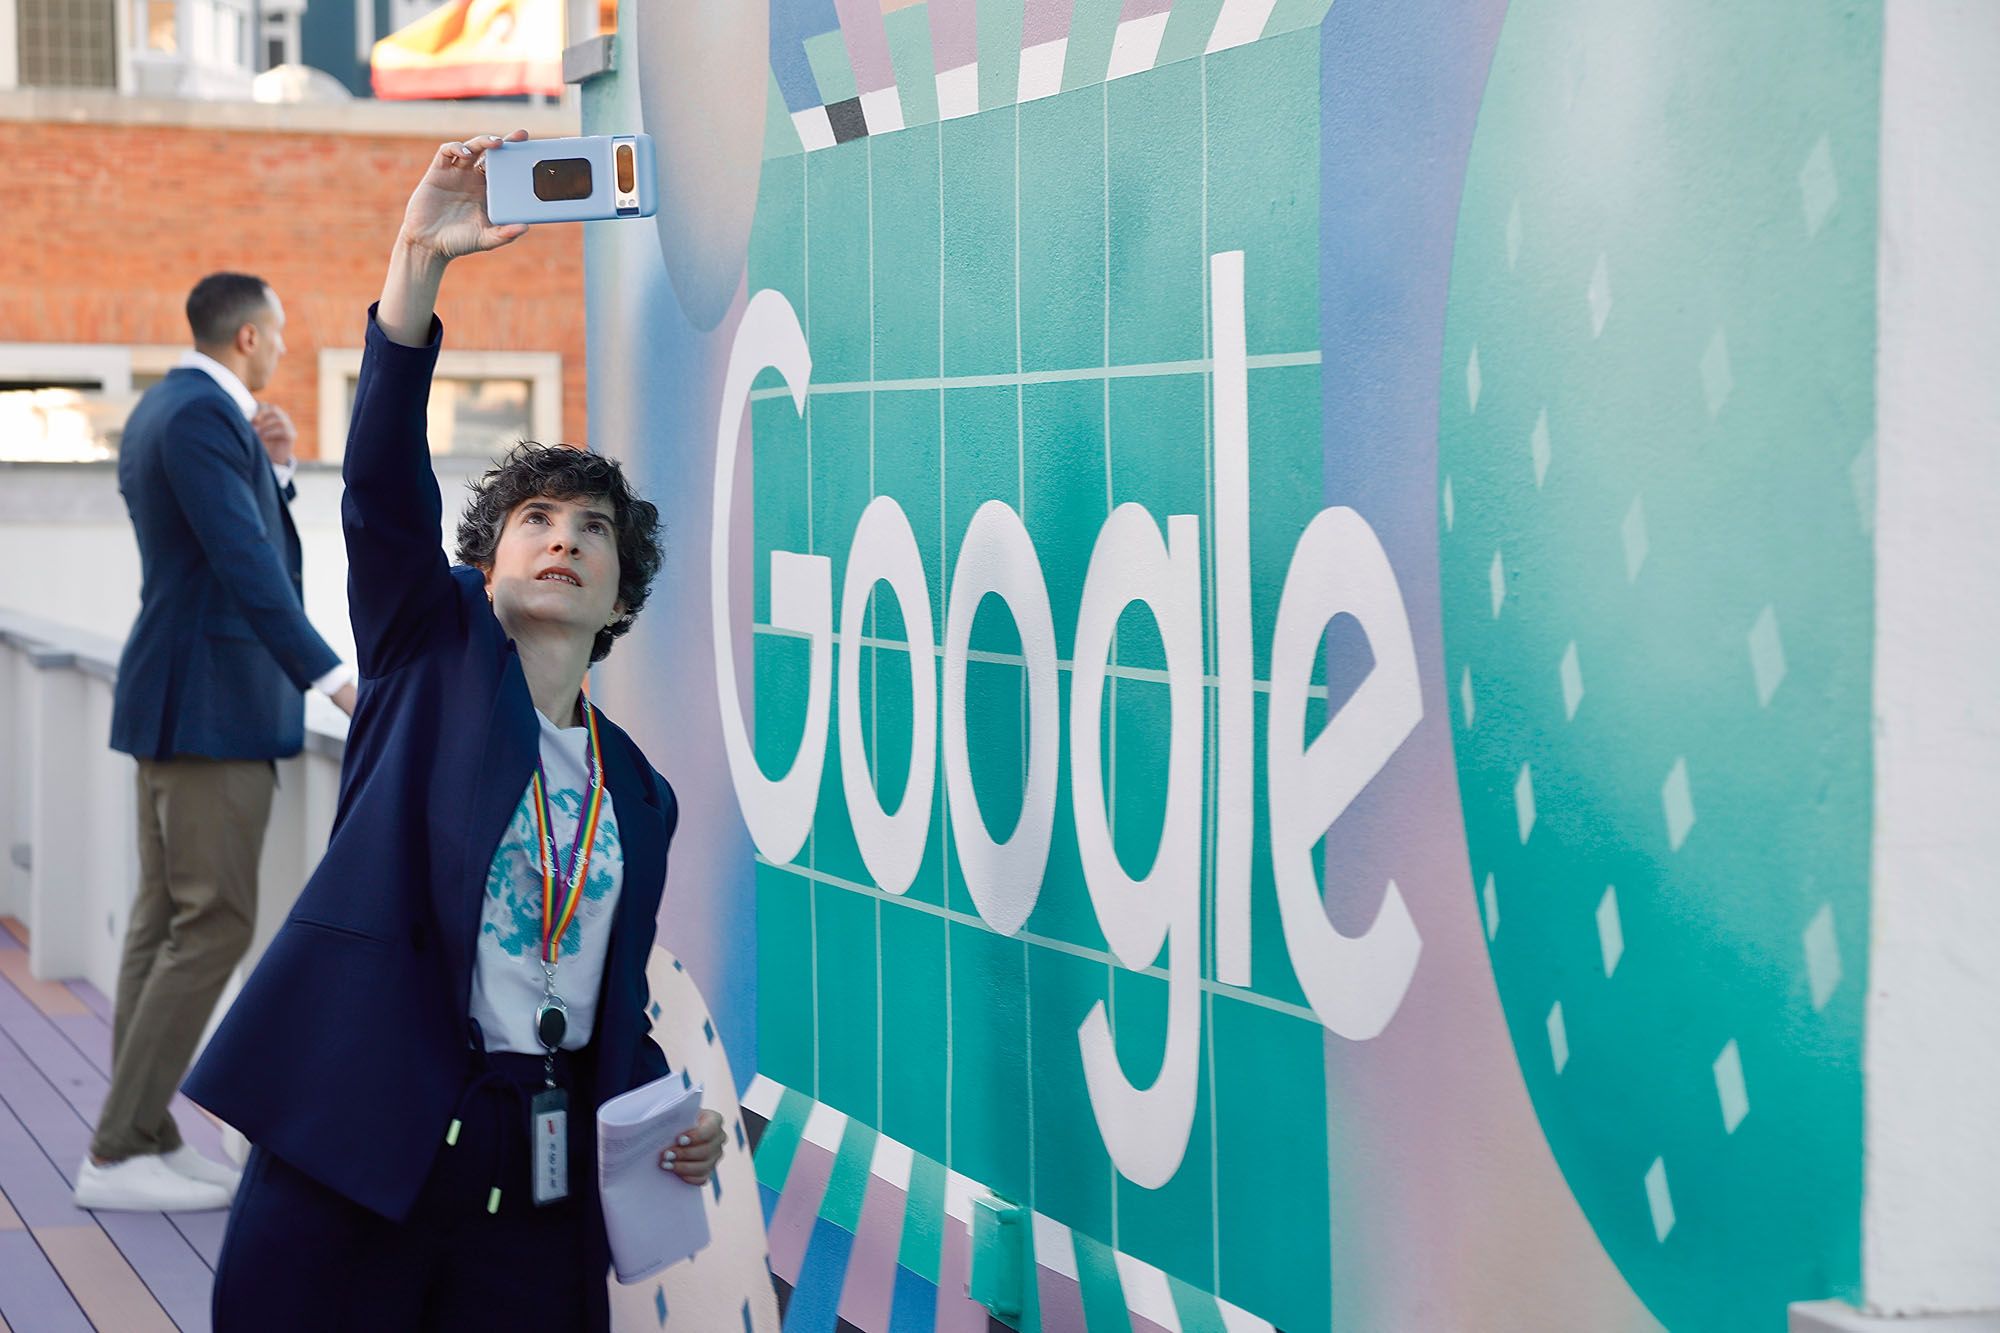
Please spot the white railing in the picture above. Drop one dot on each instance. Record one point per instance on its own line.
(68, 851)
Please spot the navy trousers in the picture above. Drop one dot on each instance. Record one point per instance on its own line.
(298, 1256)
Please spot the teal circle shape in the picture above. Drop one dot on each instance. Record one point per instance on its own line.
(1655, 485)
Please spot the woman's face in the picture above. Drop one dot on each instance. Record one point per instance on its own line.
(556, 565)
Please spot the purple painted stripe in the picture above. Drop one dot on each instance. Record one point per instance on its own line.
(1045, 20)
(13, 1004)
(91, 1037)
(956, 1313)
(93, 999)
(1061, 1299)
(1138, 9)
(798, 1208)
(60, 1063)
(1141, 1324)
(33, 1186)
(32, 1296)
(871, 1268)
(52, 1125)
(954, 33)
(179, 1278)
(203, 1232)
(867, 44)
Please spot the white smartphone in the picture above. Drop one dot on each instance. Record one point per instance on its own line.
(587, 179)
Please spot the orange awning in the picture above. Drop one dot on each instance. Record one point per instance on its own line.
(474, 48)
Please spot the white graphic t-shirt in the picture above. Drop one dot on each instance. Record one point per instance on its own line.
(507, 981)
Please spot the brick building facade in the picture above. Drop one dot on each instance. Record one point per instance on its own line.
(111, 208)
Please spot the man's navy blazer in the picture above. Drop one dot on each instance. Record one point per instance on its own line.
(219, 659)
(347, 1049)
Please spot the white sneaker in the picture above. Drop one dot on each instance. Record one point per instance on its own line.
(185, 1161)
(144, 1184)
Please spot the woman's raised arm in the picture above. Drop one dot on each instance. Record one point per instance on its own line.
(391, 511)
(445, 220)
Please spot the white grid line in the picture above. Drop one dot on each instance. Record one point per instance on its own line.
(875, 659)
(1082, 951)
(1211, 707)
(812, 832)
(1021, 493)
(1111, 766)
(1155, 675)
(1066, 375)
(944, 788)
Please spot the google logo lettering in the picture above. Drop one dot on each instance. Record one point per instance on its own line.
(1338, 567)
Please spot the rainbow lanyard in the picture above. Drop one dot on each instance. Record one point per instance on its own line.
(575, 868)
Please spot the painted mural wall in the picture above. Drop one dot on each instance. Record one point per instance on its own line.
(1266, 649)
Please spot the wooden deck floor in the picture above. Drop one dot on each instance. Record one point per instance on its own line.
(61, 1268)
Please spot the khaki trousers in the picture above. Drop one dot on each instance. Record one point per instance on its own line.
(201, 832)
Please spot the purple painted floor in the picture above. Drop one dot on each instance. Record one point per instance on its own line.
(63, 1269)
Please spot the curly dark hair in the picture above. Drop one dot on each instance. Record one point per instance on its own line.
(561, 472)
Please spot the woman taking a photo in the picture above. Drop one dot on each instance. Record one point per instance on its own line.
(474, 942)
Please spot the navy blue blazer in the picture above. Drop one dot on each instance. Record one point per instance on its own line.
(346, 1051)
(218, 661)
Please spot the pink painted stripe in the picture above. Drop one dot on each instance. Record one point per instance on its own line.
(871, 1265)
(1045, 20)
(31, 1292)
(51, 997)
(798, 1209)
(955, 1312)
(867, 44)
(1138, 9)
(1061, 1297)
(954, 33)
(110, 1293)
(94, 999)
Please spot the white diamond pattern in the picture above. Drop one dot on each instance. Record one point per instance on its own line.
(1678, 801)
(1767, 655)
(1633, 533)
(1610, 932)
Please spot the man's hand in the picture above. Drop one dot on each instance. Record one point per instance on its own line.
(343, 698)
(280, 437)
(694, 1154)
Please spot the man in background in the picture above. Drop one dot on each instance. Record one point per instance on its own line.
(210, 694)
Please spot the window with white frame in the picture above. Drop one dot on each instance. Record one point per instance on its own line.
(214, 33)
(63, 402)
(481, 403)
(280, 38)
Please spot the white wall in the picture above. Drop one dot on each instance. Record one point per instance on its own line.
(1932, 1214)
(10, 61)
(67, 552)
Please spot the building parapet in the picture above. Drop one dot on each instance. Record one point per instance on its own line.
(361, 116)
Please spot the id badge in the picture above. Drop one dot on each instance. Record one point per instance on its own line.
(549, 1135)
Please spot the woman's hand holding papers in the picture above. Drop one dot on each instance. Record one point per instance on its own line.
(693, 1156)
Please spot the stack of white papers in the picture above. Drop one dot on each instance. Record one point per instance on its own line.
(653, 1217)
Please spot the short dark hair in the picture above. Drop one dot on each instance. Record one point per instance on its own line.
(222, 303)
(560, 472)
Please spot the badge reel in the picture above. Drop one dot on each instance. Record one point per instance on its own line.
(549, 1111)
